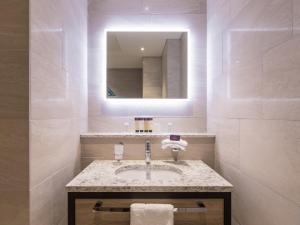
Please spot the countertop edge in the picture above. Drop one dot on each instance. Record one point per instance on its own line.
(185, 189)
(136, 135)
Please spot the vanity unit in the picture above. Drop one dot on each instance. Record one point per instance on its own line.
(109, 187)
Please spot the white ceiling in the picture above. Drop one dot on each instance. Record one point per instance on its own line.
(124, 48)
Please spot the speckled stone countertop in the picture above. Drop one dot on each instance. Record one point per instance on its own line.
(196, 176)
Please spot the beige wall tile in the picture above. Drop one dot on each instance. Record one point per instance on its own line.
(283, 57)
(245, 83)
(50, 139)
(296, 16)
(115, 7)
(175, 6)
(233, 175)
(41, 203)
(14, 154)
(50, 82)
(267, 150)
(14, 79)
(281, 109)
(49, 43)
(271, 208)
(12, 37)
(14, 207)
(236, 6)
(243, 109)
(282, 84)
(60, 179)
(228, 141)
(148, 6)
(14, 25)
(49, 199)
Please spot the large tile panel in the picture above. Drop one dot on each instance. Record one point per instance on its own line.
(269, 153)
(14, 79)
(54, 143)
(261, 205)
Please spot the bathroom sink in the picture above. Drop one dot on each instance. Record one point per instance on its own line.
(148, 172)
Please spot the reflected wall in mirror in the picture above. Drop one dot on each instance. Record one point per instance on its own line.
(147, 65)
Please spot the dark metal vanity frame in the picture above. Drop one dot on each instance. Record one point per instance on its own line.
(72, 196)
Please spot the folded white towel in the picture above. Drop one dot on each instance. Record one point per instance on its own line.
(173, 147)
(181, 142)
(151, 214)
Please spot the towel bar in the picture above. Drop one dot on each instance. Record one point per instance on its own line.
(200, 209)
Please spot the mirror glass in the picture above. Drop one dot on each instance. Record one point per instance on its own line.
(147, 65)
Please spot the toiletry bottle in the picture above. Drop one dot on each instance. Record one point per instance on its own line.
(150, 125)
(146, 124)
(119, 151)
(137, 125)
(141, 125)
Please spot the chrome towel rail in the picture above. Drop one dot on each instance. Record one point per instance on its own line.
(199, 209)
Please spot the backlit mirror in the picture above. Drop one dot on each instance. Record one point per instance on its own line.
(147, 65)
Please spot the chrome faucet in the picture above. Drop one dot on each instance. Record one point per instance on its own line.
(147, 152)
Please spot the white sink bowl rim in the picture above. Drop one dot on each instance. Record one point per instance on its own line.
(148, 172)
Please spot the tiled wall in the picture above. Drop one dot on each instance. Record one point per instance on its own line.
(14, 112)
(57, 103)
(186, 116)
(254, 106)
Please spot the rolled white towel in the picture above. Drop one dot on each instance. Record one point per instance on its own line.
(181, 142)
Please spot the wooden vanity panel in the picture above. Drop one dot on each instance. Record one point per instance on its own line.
(86, 216)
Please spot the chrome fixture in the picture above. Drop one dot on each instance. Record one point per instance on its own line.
(148, 152)
(199, 207)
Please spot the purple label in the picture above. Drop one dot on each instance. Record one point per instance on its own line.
(174, 137)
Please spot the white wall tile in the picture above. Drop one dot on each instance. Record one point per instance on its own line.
(255, 83)
(58, 103)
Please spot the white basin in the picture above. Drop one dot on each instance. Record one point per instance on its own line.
(148, 172)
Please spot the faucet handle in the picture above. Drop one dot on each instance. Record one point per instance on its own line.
(147, 152)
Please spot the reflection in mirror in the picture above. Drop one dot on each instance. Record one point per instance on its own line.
(147, 65)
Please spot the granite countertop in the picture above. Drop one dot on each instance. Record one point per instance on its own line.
(196, 176)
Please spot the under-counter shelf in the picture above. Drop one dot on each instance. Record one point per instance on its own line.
(211, 214)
